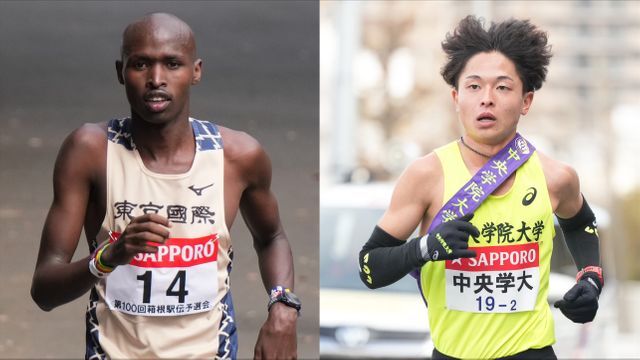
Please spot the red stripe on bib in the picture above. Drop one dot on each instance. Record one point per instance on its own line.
(497, 258)
(178, 252)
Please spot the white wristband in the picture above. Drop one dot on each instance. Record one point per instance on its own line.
(94, 270)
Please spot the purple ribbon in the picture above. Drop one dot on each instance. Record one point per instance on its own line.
(482, 184)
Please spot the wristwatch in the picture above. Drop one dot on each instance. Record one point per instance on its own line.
(285, 296)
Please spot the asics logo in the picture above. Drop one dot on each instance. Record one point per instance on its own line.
(529, 196)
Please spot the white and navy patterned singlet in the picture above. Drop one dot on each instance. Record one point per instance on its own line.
(175, 303)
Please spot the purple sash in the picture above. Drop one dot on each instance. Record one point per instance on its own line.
(482, 184)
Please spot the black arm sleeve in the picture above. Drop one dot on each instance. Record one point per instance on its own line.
(581, 236)
(385, 259)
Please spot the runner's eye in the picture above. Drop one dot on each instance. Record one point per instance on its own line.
(172, 64)
(139, 65)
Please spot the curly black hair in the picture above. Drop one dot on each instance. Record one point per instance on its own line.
(519, 40)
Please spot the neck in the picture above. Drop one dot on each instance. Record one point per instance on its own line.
(164, 140)
(480, 152)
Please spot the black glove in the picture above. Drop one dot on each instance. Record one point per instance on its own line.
(450, 240)
(580, 303)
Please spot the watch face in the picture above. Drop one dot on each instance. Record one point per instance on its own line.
(291, 297)
(279, 294)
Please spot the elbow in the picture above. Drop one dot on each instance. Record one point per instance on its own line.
(371, 286)
(367, 280)
(41, 303)
(365, 270)
(277, 239)
(40, 299)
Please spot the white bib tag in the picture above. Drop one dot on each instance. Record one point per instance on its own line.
(500, 279)
(180, 279)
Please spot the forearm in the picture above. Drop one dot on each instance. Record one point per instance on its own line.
(275, 262)
(581, 236)
(277, 337)
(385, 259)
(56, 283)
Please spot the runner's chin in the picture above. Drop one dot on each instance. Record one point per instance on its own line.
(157, 107)
(485, 124)
(157, 114)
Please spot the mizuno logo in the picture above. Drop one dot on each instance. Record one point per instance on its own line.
(198, 191)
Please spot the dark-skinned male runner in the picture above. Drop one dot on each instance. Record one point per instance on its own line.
(157, 194)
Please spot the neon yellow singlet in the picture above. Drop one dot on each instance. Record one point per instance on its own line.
(495, 305)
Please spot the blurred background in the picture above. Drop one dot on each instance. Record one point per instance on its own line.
(383, 104)
(260, 75)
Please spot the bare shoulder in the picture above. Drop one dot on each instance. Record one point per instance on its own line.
(424, 171)
(85, 144)
(416, 191)
(426, 165)
(81, 164)
(90, 134)
(560, 176)
(238, 145)
(245, 155)
(420, 181)
(563, 185)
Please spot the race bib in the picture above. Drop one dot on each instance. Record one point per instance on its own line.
(180, 279)
(500, 279)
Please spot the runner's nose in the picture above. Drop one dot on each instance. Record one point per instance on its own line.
(487, 97)
(156, 77)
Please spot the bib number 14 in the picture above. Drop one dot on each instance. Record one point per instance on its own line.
(176, 288)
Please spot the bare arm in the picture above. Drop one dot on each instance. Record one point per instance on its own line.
(413, 195)
(387, 257)
(57, 280)
(576, 218)
(580, 303)
(259, 208)
(563, 185)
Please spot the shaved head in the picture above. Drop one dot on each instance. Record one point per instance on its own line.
(158, 66)
(161, 26)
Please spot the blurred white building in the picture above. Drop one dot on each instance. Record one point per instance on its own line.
(384, 102)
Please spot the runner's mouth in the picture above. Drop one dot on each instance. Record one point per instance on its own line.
(157, 101)
(486, 117)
